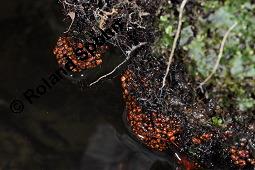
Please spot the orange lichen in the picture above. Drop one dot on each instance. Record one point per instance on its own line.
(155, 130)
(240, 156)
(76, 52)
(202, 138)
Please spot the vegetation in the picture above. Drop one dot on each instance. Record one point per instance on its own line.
(233, 84)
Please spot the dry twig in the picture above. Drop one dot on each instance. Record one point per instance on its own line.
(219, 56)
(128, 55)
(177, 35)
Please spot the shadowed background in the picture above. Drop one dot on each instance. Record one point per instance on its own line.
(69, 128)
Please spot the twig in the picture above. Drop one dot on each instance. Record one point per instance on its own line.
(219, 56)
(123, 62)
(72, 16)
(177, 35)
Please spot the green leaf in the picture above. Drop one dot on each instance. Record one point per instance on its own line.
(186, 34)
(221, 18)
(169, 30)
(164, 18)
(237, 66)
(246, 103)
(217, 121)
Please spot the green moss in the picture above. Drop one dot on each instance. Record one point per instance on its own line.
(235, 76)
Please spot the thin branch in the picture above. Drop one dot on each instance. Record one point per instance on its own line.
(123, 62)
(177, 35)
(219, 56)
(72, 16)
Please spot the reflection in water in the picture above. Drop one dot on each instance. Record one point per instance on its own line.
(109, 150)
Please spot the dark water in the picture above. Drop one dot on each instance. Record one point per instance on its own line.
(68, 128)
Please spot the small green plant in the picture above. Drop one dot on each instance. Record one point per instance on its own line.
(217, 121)
(167, 32)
